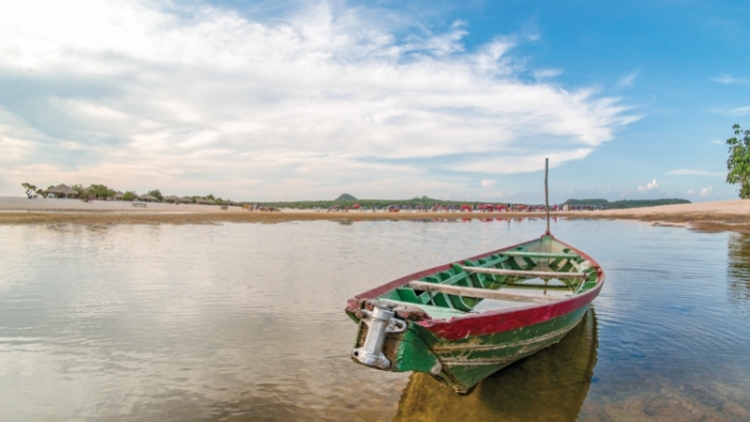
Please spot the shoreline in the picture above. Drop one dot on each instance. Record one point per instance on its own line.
(733, 215)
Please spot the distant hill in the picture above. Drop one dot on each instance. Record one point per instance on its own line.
(345, 197)
(625, 203)
(347, 200)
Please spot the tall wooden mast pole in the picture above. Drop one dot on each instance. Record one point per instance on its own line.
(546, 190)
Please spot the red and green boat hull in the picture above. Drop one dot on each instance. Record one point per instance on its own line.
(467, 361)
(460, 350)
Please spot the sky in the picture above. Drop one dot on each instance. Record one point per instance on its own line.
(304, 100)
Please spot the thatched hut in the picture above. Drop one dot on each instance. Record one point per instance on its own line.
(118, 196)
(186, 200)
(148, 198)
(62, 191)
(172, 199)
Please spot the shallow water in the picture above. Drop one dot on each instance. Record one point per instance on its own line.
(246, 322)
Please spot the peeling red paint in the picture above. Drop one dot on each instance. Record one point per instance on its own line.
(505, 320)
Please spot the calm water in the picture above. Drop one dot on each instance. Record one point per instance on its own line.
(245, 322)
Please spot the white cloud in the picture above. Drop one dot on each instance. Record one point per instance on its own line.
(628, 79)
(547, 73)
(691, 192)
(737, 111)
(193, 95)
(17, 138)
(706, 191)
(716, 142)
(514, 163)
(650, 186)
(728, 80)
(688, 172)
(486, 183)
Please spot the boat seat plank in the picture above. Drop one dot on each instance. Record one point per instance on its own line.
(479, 293)
(522, 273)
(448, 278)
(536, 286)
(526, 254)
(437, 312)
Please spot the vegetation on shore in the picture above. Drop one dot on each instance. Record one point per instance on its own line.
(102, 192)
(625, 203)
(347, 200)
(738, 163)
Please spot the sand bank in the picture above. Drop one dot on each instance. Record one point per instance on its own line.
(731, 215)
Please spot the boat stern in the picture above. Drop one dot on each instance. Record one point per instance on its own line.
(387, 339)
(379, 322)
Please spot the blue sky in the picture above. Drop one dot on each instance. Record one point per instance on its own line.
(307, 100)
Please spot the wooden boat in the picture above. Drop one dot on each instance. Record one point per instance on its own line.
(462, 321)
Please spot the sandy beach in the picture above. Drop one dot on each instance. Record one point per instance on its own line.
(733, 215)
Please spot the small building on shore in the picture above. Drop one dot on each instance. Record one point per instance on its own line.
(62, 191)
(204, 201)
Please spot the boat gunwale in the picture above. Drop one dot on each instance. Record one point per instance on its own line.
(457, 327)
(501, 320)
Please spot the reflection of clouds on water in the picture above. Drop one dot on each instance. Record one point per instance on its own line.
(246, 322)
(738, 270)
(169, 322)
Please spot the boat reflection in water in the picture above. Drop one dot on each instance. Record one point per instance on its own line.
(550, 385)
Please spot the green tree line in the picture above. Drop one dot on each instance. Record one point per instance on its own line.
(625, 203)
(102, 192)
(427, 203)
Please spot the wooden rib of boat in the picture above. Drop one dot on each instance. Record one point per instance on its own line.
(462, 321)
